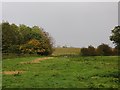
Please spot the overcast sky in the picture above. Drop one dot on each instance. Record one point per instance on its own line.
(76, 24)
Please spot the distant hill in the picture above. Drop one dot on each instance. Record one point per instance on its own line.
(66, 51)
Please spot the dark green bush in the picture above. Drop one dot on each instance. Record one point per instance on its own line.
(90, 51)
(104, 50)
(84, 52)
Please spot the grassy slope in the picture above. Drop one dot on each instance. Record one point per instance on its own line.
(63, 51)
(67, 72)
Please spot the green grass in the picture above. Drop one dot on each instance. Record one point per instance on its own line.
(13, 55)
(63, 72)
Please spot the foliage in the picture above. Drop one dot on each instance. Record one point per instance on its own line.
(25, 39)
(115, 51)
(84, 52)
(104, 50)
(90, 51)
(9, 37)
(32, 46)
(101, 50)
(115, 37)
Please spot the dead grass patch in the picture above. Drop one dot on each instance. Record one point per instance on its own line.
(36, 60)
(12, 72)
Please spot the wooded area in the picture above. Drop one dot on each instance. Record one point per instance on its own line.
(23, 39)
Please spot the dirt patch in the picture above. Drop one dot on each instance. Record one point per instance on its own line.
(12, 72)
(36, 60)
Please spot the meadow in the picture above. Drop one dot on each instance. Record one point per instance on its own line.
(66, 51)
(61, 72)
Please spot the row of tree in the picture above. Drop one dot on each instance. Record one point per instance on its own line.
(23, 39)
(101, 50)
(104, 49)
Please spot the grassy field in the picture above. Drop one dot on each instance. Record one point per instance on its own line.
(62, 72)
(66, 51)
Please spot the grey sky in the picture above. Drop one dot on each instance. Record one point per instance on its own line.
(74, 24)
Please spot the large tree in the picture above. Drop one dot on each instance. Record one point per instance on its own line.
(115, 37)
(9, 37)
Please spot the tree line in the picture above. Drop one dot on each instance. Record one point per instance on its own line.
(101, 50)
(104, 49)
(22, 39)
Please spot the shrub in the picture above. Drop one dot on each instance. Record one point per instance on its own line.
(91, 51)
(115, 51)
(104, 50)
(84, 52)
(31, 47)
(14, 49)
